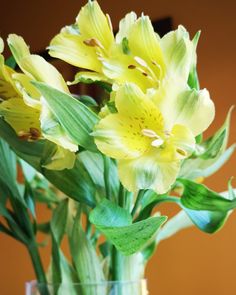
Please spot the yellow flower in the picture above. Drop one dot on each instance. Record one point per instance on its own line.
(150, 137)
(84, 44)
(136, 55)
(23, 107)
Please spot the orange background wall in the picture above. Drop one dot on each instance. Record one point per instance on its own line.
(191, 262)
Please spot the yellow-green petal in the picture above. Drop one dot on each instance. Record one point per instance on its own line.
(62, 159)
(119, 137)
(88, 77)
(145, 43)
(148, 172)
(93, 23)
(125, 25)
(179, 52)
(181, 105)
(34, 65)
(183, 140)
(20, 116)
(71, 48)
(122, 68)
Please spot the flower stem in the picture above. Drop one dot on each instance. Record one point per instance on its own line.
(38, 267)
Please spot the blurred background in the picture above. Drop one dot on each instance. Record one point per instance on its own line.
(192, 262)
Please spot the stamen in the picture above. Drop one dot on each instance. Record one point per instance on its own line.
(181, 152)
(93, 43)
(140, 61)
(131, 67)
(157, 142)
(149, 133)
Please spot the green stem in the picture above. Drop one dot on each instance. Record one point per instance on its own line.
(116, 265)
(38, 268)
(106, 162)
(137, 202)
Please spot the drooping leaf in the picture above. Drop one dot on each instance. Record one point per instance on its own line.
(76, 119)
(198, 197)
(116, 224)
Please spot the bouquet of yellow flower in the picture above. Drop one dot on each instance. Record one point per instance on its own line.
(104, 168)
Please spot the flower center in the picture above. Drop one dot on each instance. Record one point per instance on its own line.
(157, 140)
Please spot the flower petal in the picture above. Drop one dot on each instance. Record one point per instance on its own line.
(123, 68)
(125, 25)
(181, 105)
(88, 77)
(145, 43)
(183, 140)
(34, 65)
(20, 116)
(71, 48)
(148, 172)
(93, 23)
(62, 159)
(179, 52)
(118, 137)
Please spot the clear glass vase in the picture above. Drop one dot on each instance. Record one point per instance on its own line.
(103, 288)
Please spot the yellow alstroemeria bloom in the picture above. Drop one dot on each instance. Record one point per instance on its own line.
(150, 137)
(23, 107)
(84, 44)
(136, 55)
(149, 60)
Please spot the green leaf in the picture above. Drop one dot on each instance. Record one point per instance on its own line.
(76, 119)
(115, 223)
(8, 170)
(58, 228)
(85, 259)
(198, 197)
(207, 221)
(94, 165)
(11, 62)
(75, 182)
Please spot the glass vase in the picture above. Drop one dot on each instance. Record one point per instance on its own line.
(103, 288)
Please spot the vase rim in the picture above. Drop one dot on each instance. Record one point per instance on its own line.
(34, 282)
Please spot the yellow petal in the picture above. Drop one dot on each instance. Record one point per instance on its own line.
(148, 172)
(62, 159)
(181, 105)
(34, 65)
(125, 25)
(72, 49)
(119, 137)
(131, 102)
(145, 43)
(183, 140)
(179, 52)
(93, 23)
(88, 77)
(122, 68)
(30, 94)
(20, 116)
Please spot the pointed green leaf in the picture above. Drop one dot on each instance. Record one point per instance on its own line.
(198, 197)
(76, 119)
(115, 223)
